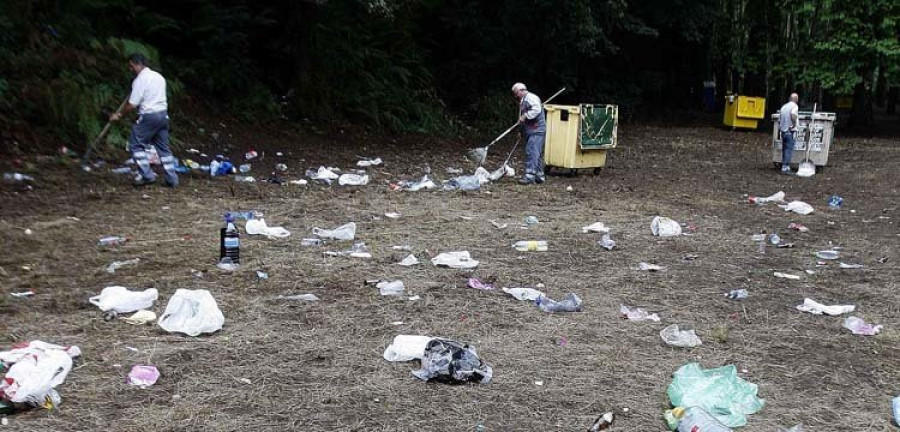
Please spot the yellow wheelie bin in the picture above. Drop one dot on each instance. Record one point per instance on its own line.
(578, 136)
(744, 111)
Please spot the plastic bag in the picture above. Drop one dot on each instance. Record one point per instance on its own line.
(410, 260)
(322, 174)
(120, 300)
(571, 303)
(115, 265)
(798, 207)
(259, 227)
(637, 314)
(192, 312)
(142, 376)
(425, 183)
(406, 348)
(353, 180)
(365, 163)
(816, 308)
(596, 227)
(606, 242)
(35, 371)
(141, 317)
(451, 362)
(718, 391)
(457, 260)
(665, 227)
(390, 288)
(524, 294)
(478, 284)
(674, 336)
(859, 327)
(343, 232)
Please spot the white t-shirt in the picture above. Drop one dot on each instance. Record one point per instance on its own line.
(148, 92)
(785, 116)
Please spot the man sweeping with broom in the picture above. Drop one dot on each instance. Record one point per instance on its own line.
(533, 128)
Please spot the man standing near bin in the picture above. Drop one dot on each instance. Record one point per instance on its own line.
(148, 97)
(533, 128)
(787, 126)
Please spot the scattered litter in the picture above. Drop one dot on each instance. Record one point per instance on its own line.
(498, 225)
(397, 323)
(606, 242)
(353, 180)
(835, 202)
(798, 207)
(281, 167)
(882, 260)
(390, 288)
(261, 275)
(301, 182)
(738, 294)
(649, 267)
(478, 284)
(28, 231)
(797, 227)
(850, 266)
(596, 227)
(142, 376)
(250, 155)
(777, 197)
(859, 327)
(343, 232)
(359, 250)
(300, 297)
(816, 308)
(531, 245)
(406, 348)
(192, 312)
(531, 220)
(141, 317)
(569, 189)
(828, 254)
(279, 154)
(365, 163)
(425, 183)
(323, 175)
(121, 170)
(414, 298)
(259, 227)
(637, 314)
(310, 242)
(718, 391)
(17, 177)
(524, 294)
(227, 265)
(244, 168)
(665, 227)
(456, 260)
(463, 183)
(392, 215)
(774, 239)
(115, 265)
(570, 303)
(604, 422)
(810, 272)
(786, 276)
(410, 260)
(23, 294)
(112, 241)
(674, 336)
(120, 300)
(34, 371)
(449, 361)
(450, 170)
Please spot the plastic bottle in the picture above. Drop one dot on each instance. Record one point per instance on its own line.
(774, 239)
(738, 294)
(310, 242)
(895, 405)
(694, 419)
(531, 245)
(17, 177)
(112, 241)
(230, 241)
(572, 303)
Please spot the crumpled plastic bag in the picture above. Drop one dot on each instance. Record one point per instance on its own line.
(665, 227)
(36, 369)
(323, 174)
(456, 260)
(365, 163)
(120, 300)
(816, 308)
(425, 183)
(798, 207)
(390, 288)
(498, 173)
(192, 312)
(406, 348)
(860, 327)
(463, 183)
(674, 336)
(570, 303)
(719, 391)
(343, 232)
(141, 317)
(524, 294)
(597, 227)
(776, 197)
(353, 180)
(259, 227)
(410, 260)
(637, 314)
(451, 362)
(142, 376)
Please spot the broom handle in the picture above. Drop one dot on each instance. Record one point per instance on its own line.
(102, 133)
(809, 131)
(514, 126)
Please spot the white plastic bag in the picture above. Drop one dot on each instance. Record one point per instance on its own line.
(410, 260)
(406, 348)
(596, 227)
(324, 174)
(343, 232)
(457, 260)
(665, 227)
(192, 312)
(637, 314)
(353, 180)
(259, 227)
(811, 306)
(524, 294)
(674, 336)
(365, 163)
(390, 288)
(120, 300)
(36, 370)
(798, 207)
(483, 175)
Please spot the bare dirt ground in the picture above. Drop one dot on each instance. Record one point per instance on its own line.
(319, 367)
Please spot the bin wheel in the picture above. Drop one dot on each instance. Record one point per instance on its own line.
(572, 172)
(548, 169)
(597, 170)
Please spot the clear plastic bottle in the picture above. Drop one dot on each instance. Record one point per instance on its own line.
(694, 419)
(531, 245)
(230, 241)
(572, 303)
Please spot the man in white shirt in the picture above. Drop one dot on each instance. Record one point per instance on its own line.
(787, 126)
(148, 97)
(533, 128)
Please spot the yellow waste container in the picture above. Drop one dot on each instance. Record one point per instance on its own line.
(744, 111)
(578, 136)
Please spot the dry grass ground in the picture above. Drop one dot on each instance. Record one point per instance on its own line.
(318, 366)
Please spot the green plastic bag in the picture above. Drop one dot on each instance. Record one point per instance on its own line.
(718, 391)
